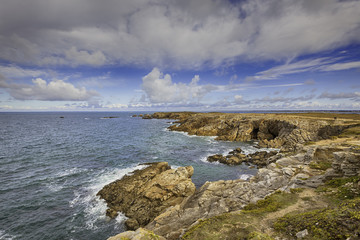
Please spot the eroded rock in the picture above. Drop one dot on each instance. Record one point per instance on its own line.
(146, 193)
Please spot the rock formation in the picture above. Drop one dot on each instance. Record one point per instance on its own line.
(144, 194)
(218, 197)
(272, 130)
(235, 157)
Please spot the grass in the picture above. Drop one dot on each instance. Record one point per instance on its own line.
(340, 221)
(351, 132)
(327, 223)
(320, 165)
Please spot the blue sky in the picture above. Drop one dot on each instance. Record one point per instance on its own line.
(204, 55)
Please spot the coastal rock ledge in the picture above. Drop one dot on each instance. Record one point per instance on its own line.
(144, 194)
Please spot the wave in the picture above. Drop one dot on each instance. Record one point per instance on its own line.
(6, 236)
(92, 206)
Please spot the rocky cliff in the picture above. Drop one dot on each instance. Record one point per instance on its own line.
(308, 165)
(144, 194)
(271, 130)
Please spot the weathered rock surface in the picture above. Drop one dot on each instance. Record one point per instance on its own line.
(139, 234)
(146, 193)
(215, 198)
(272, 130)
(260, 159)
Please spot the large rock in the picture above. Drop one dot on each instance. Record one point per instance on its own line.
(146, 193)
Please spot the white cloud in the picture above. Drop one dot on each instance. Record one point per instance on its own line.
(308, 65)
(13, 71)
(341, 95)
(341, 66)
(160, 88)
(173, 34)
(56, 90)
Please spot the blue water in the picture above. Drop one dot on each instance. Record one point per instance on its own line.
(51, 168)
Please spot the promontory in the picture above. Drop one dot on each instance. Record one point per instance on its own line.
(308, 189)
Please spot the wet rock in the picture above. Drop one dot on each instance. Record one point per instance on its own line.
(146, 193)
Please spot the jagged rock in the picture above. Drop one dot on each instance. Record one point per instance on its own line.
(139, 234)
(146, 193)
(235, 158)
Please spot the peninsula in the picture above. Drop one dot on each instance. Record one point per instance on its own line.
(309, 189)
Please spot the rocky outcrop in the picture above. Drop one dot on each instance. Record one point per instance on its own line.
(144, 194)
(271, 130)
(215, 198)
(236, 157)
(139, 234)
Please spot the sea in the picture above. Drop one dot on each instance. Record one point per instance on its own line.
(52, 164)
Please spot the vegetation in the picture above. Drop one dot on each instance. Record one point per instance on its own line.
(320, 165)
(351, 132)
(327, 223)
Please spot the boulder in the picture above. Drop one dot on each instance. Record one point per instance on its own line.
(145, 193)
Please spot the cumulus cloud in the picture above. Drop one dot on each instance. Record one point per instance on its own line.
(56, 90)
(160, 88)
(177, 34)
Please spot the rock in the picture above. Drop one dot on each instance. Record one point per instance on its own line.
(134, 115)
(146, 193)
(147, 116)
(302, 234)
(216, 158)
(139, 234)
(259, 159)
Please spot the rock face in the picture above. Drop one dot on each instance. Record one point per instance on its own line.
(146, 193)
(274, 131)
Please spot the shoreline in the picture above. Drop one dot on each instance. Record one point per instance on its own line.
(313, 139)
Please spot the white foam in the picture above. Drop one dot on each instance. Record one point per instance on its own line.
(245, 176)
(53, 187)
(6, 236)
(95, 208)
(70, 171)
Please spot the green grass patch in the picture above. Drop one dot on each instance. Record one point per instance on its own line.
(272, 203)
(320, 165)
(340, 222)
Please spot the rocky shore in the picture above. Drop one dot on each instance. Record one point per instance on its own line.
(315, 150)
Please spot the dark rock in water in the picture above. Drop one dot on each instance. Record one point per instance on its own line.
(134, 115)
(216, 158)
(62, 117)
(146, 193)
(236, 157)
(109, 117)
(141, 115)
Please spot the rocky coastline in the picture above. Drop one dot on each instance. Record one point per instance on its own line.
(315, 149)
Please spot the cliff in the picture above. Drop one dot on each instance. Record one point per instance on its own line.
(316, 176)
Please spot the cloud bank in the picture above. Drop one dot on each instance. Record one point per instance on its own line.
(172, 34)
(56, 90)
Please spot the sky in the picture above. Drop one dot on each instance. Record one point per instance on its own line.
(179, 55)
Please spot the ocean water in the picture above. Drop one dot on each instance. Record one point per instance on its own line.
(51, 168)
